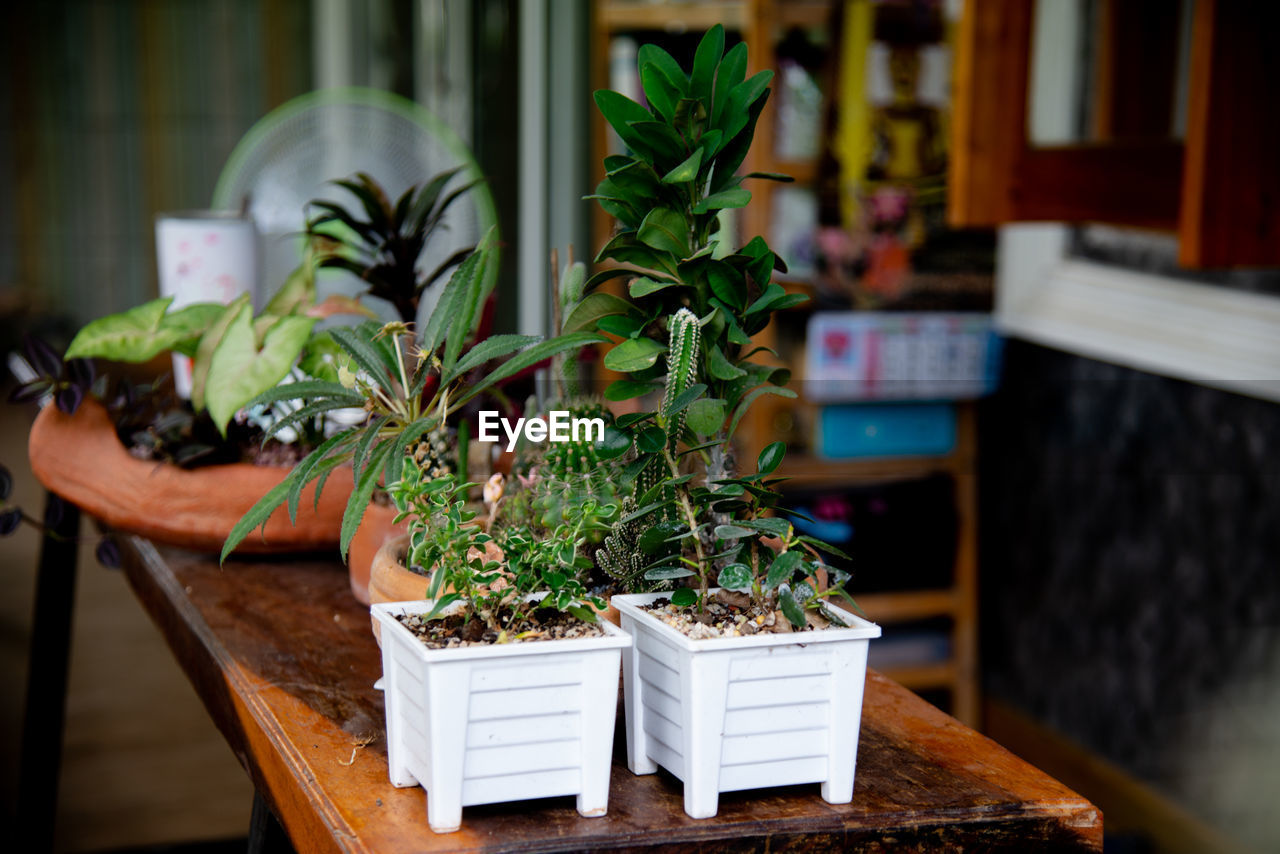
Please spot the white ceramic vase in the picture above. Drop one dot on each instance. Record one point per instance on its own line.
(726, 714)
(489, 724)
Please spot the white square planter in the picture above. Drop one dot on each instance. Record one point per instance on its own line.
(488, 724)
(726, 714)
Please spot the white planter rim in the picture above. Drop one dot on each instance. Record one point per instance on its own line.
(385, 613)
(856, 628)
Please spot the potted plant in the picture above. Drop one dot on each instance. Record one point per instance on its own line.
(503, 686)
(409, 386)
(752, 676)
(181, 478)
(382, 241)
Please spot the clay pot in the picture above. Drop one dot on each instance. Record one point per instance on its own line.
(79, 458)
(376, 528)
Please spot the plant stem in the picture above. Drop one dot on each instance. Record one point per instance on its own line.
(691, 517)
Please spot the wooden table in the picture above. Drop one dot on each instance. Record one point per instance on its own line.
(282, 656)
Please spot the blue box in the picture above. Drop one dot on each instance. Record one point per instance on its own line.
(854, 430)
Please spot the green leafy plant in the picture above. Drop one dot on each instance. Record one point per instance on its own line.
(235, 355)
(667, 194)
(407, 387)
(445, 541)
(384, 246)
(691, 306)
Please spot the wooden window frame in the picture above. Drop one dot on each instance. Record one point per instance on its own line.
(1220, 190)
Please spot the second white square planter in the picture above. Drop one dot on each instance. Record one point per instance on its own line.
(489, 724)
(727, 714)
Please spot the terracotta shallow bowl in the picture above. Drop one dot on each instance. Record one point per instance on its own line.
(79, 458)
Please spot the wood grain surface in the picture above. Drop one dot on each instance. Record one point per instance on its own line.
(281, 654)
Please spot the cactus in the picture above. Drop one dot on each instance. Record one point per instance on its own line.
(620, 556)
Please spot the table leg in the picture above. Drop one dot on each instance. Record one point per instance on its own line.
(266, 836)
(48, 662)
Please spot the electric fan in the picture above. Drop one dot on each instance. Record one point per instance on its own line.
(291, 156)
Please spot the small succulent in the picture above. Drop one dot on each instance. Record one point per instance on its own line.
(385, 246)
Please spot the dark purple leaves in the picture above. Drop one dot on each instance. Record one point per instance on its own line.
(10, 519)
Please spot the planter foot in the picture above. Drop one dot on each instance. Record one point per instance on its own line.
(591, 812)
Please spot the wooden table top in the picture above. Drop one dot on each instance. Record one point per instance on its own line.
(283, 658)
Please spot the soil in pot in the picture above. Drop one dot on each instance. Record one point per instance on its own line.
(544, 624)
(730, 615)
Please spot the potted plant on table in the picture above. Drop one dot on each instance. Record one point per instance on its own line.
(187, 473)
(752, 676)
(504, 685)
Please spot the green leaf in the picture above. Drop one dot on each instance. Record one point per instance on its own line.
(302, 472)
(628, 389)
(682, 400)
(666, 230)
(684, 597)
(614, 444)
(298, 291)
(622, 325)
(471, 272)
(733, 198)
(493, 347)
(620, 111)
(771, 457)
(771, 525)
(736, 114)
(131, 336)
(528, 358)
(660, 92)
(592, 308)
(706, 416)
(643, 286)
(634, 354)
(587, 615)
(735, 149)
(823, 546)
(657, 539)
(651, 440)
(239, 371)
(311, 390)
(721, 368)
(598, 279)
(256, 517)
(735, 576)
(726, 284)
(667, 573)
(361, 495)
(733, 532)
(730, 73)
(189, 323)
(791, 609)
(705, 60)
(686, 171)
(651, 54)
(358, 345)
(782, 568)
